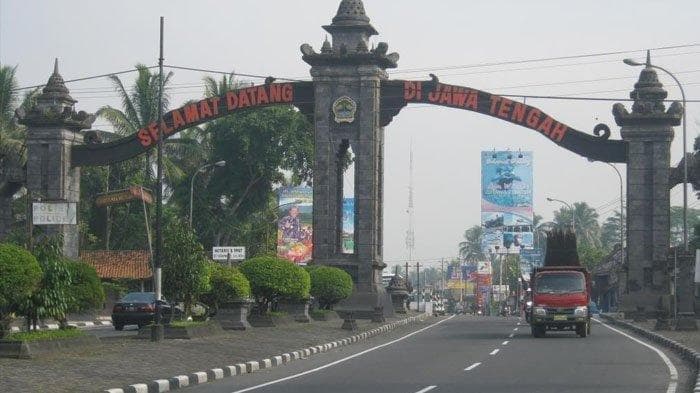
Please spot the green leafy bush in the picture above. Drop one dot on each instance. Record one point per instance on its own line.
(40, 335)
(86, 290)
(228, 284)
(20, 276)
(272, 279)
(329, 285)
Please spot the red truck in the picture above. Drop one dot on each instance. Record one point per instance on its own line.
(560, 297)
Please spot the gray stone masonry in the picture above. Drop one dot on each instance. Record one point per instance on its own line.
(347, 68)
(648, 132)
(52, 129)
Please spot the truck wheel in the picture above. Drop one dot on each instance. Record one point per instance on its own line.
(538, 331)
(582, 330)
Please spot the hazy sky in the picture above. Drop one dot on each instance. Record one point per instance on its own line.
(451, 37)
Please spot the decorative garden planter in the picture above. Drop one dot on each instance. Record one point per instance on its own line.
(398, 299)
(234, 315)
(206, 329)
(298, 310)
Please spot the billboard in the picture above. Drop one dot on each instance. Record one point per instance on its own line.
(348, 226)
(461, 277)
(294, 228)
(506, 201)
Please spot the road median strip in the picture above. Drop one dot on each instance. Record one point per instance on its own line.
(198, 378)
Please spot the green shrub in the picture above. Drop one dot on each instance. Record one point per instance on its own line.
(272, 279)
(20, 276)
(329, 285)
(86, 290)
(228, 284)
(40, 335)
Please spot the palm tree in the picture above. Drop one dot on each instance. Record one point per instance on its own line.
(140, 105)
(470, 248)
(587, 227)
(610, 231)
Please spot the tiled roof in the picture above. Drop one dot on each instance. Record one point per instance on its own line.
(119, 263)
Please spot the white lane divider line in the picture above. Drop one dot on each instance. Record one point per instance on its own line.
(345, 359)
(429, 388)
(505, 343)
(673, 373)
(495, 351)
(515, 330)
(511, 335)
(473, 366)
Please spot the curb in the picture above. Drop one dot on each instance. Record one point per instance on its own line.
(686, 353)
(198, 378)
(55, 326)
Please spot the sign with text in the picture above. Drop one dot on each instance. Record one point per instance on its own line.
(54, 213)
(133, 193)
(228, 253)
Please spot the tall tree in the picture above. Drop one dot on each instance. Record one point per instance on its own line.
(586, 220)
(470, 248)
(610, 231)
(677, 223)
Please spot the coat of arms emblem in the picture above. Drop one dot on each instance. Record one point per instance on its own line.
(344, 109)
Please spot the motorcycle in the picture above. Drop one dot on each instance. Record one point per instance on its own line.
(528, 309)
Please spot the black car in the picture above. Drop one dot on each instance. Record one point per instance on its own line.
(139, 308)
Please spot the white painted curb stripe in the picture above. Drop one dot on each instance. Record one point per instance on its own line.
(200, 376)
(673, 373)
(182, 381)
(140, 387)
(163, 385)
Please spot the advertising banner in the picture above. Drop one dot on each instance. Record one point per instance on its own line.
(467, 281)
(506, 201)
(348, 225)
(294, 228)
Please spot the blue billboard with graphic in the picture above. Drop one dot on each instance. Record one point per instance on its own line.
(506, 201)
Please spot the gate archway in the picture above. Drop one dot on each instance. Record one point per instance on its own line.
(350, 100)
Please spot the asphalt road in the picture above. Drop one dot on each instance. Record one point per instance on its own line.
(470, 354)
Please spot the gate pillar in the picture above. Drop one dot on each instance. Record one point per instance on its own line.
(53, 127)
(347, 78)
(648, 132)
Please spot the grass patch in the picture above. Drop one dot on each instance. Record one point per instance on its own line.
(277, 313)
(188, 323)
(40, 335)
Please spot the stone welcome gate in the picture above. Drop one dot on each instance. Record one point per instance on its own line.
(350, 100)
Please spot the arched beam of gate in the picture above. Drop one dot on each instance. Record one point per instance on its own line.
(299, 94)
(396, 94)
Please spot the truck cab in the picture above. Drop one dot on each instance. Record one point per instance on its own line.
(560, 298)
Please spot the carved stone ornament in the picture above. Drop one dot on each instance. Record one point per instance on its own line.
(344, 109)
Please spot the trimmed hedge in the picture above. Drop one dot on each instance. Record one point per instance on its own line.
(228, 284)
(85, 291)
(20, 276)
(272, 279)
(330, 285)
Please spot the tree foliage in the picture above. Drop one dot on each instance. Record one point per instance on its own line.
(227, 284)
(20, 276)
(470, 248)
(273, 279)
(330, 285)
(185, 266)
(85, 289)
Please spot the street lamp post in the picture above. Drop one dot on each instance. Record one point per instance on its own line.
(622, 202)
(201, 169)
(685, 150)
(573, 214)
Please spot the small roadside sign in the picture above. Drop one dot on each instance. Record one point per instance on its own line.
(228, 253)
(54, 213)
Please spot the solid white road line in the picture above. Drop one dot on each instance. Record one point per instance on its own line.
(673, 383)
(473, 366)
(505, 343)
(429, 388)
(342, 360)
(495, 351)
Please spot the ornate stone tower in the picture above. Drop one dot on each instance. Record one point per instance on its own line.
(648, 132)
(347, 77)
(53, 127)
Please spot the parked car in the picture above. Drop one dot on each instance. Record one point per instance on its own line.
(139, 308)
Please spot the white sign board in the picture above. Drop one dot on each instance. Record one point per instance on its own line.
(483, 267)
(228, 253)
(54, 213)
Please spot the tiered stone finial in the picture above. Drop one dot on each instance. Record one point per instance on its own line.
(648, 96)
(54, 107)
(350, 32)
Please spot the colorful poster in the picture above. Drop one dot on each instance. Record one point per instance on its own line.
(348, 225)
(294, 228)
(467, 279)
(506, 201)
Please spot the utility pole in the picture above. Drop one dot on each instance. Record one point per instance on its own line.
(418, 286)
(442, 275)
